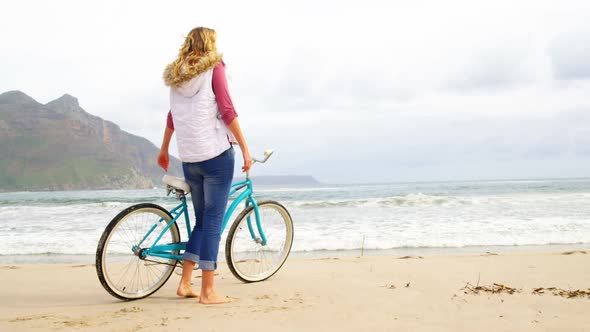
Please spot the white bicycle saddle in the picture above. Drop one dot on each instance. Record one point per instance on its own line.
(176, 183)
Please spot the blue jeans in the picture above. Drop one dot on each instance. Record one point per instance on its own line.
(210, 182)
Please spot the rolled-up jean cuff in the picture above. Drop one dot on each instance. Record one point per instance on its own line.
(207, 265)
(189, 256)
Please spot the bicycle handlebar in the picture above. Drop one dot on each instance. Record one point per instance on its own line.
(267, 154)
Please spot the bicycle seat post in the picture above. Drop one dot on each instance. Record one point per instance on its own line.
(179, 194)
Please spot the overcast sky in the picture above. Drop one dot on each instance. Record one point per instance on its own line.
(360, 91)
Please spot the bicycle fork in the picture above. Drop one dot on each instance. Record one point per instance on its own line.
(262, 239)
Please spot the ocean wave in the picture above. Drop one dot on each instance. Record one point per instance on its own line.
(47, 253)
(443, 246)
(392, 201)
(107, 201)
(302, 189)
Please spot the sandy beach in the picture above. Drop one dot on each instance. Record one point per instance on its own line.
(411, 293)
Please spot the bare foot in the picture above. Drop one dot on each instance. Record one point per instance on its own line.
(186, 291)
(213, 298)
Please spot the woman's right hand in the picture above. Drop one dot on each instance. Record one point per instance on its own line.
(247, 161)
(164, 159)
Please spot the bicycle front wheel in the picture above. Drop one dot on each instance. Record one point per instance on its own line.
(121, 269)
(248, 258)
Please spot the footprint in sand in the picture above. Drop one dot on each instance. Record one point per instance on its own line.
(27, 318)
(270, 309)
(126, 311)
(74, 323)
(263, 297)
(119, 313)
(9, 267)
(297, 298)
(411, 257)
(392, 286)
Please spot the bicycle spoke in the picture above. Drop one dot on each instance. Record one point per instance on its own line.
(252, 261)
(126, 274)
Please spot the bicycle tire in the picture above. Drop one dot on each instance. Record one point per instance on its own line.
(105, 269)
(236, 265)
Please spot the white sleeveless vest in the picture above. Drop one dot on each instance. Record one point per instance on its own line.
(200, 131)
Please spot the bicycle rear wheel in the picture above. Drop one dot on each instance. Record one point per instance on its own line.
(248, 259)
(119, 265)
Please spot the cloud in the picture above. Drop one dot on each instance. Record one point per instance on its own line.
(450, 145)
(359, 92)
(581, 143)
(489, 70)
(570, 54)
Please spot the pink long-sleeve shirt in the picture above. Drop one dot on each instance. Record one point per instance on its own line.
(222, 97)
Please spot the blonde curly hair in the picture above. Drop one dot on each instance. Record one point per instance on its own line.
(197, 55)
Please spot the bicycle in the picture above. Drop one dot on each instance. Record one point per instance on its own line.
(141, 246)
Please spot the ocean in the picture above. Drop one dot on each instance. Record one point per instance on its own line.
(330, 220)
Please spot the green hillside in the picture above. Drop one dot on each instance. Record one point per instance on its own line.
(59, 146)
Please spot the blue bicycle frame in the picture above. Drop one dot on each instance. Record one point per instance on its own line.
(167, 250)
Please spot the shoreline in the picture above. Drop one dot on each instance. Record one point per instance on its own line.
(431, 251)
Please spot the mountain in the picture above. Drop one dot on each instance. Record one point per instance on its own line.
(59, 146)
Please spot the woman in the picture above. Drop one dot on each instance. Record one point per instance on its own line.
(203, 116)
